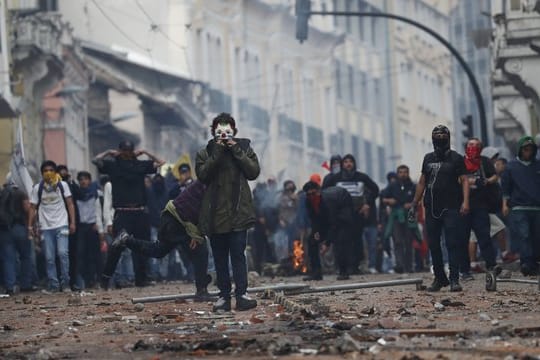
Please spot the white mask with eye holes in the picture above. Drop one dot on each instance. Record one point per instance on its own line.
(224, 132)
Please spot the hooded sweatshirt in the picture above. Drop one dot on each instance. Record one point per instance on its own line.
(362, 189)
(521, 179)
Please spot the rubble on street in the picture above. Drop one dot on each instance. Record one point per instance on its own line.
(390, 322)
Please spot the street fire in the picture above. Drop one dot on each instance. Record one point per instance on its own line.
(298, 257)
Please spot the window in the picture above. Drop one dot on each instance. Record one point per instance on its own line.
(378, 97)
(338, 80)
(350, 81)
(381, 162)
(315, 138)
(369, 157)
(364, 91)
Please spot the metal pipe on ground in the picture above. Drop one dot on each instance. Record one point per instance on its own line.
(276, 287)
(366, 285)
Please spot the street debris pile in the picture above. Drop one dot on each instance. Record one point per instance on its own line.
(392, 322)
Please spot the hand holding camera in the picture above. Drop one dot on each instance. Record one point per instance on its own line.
(225, 137)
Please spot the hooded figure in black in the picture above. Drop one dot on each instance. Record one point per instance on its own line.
(335, 168)
(331, 214)
(363, 191)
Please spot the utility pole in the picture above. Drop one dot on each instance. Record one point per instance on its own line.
(303, 12)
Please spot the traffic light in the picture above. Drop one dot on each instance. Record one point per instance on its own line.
(467, 127)
(303, 8)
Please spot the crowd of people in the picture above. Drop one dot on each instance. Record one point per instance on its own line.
(134, 226)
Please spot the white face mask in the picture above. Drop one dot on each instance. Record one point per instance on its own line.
(224, 132)
(336, 168)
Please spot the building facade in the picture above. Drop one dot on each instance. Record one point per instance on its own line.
(516, 62)
(470, 34)
(422, 84)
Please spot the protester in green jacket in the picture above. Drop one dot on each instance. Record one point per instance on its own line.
(225, 165)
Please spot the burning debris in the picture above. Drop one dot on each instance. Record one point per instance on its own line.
(299, 263)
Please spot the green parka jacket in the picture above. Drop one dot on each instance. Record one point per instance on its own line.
(227, 204)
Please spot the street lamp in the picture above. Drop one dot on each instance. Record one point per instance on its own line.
(302, 16)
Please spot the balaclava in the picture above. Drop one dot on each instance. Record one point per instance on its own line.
(441, 140)
(335, 164)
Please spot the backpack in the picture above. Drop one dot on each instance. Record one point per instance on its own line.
(7, 210)
(40, 193)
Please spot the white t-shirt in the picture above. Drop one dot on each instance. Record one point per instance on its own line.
(52, 211)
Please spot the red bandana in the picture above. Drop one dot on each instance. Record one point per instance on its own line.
(472, 158)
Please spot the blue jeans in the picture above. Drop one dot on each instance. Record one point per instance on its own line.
(451, 223)
(12, 242)
(55, 244)
(370, 236)
(525, 230)
(231, 245)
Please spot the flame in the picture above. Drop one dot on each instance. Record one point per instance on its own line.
(298, 256)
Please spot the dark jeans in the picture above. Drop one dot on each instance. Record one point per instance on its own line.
(172, 234)
(525, 231)
(136, 223)
(12, 242)
(403, 250)
(345, 258)
(231, 244)
(73, 254)
(314, 258)
(355, 234)
(451, 223)
(89, 263)
(478, 221)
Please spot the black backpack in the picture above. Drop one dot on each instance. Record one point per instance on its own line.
(7, 210)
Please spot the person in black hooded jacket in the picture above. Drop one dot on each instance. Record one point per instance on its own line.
(363, 191)
(331, 215)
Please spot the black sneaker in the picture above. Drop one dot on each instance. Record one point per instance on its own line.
(316, 277)
(29, 289)
(343, 277)
(245, 303)
(203, 296)
(529, 270)
(455, 286)
(223, 304)
(104, 282)
(437, 285)
(121, 239)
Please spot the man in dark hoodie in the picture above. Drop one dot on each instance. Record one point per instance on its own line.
(445, 189)
(363, 191)
(521, 200)
(331, 216)
(335, 168)
(225, 165)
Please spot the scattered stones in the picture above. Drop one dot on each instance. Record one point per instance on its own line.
(448, 302)
(484, 317)
(74, 301)
(347, 344)
(27, 300)
(342, 325)
(45, 354)
(77, 323)
(438, 306)
(139, 307)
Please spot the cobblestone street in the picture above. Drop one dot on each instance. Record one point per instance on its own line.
(392, 322)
